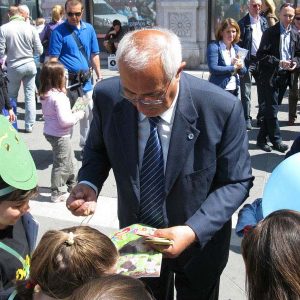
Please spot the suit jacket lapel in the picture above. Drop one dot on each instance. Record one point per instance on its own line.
(184, 133)
(125, 120)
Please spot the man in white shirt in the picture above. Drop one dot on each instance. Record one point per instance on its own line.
(252, 27)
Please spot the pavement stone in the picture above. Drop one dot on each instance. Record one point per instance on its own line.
(55, 215)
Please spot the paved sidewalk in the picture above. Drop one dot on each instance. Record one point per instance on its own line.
(55, 215)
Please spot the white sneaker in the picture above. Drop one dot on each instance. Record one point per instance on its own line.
(59, 197)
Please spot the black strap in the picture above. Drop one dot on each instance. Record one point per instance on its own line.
(79, 45)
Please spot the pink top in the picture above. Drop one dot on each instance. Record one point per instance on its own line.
(58, 116)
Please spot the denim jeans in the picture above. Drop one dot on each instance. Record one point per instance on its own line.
(25, 74)
(63, 174)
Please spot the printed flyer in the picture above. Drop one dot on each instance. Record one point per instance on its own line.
(137, 258)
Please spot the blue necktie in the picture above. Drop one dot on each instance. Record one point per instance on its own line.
(152, 179)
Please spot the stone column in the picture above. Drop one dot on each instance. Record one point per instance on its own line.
(188, 19)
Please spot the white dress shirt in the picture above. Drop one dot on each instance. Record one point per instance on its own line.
(228, 55)
(164, 130)
(256, 34)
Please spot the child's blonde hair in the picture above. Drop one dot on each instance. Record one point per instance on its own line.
(66, 259)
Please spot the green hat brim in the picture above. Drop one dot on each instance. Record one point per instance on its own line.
(17, 167)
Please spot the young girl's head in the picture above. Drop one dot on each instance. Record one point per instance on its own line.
(65, 259)
(271, 252)
(52, 77)
(14, 203)
(112, 287)
(18, 177)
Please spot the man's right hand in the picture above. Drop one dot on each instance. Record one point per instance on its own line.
(82, 200)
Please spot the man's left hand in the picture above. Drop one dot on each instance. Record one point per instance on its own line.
(183, 237)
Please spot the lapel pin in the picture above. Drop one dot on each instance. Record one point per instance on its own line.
(190, 136)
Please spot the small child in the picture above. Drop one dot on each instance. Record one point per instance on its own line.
(59, 121)
(18, 230)
(271, 255)
(112, 287)
(66, 259)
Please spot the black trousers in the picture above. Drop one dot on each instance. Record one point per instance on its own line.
(273, 95)
(195, 273)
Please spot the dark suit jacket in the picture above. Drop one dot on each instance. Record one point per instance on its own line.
(268, 53)
(208, 172)
(246, 33)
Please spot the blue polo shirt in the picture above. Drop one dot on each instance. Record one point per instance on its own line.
(63, 46)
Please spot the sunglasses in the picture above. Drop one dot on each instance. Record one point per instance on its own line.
(77, 14)
(256, 5)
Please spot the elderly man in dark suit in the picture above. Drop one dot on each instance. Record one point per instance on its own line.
(279, 56)
(179, 151)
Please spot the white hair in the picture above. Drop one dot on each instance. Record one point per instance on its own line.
(24, 8)
(138, 54)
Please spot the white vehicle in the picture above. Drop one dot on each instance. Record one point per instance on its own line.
(104, 15)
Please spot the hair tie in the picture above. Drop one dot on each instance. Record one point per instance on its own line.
(30, 284)
(70, 240)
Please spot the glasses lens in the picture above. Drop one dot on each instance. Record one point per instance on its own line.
(77, 14)
(256, 5)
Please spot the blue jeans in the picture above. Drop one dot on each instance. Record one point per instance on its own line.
(25, 74)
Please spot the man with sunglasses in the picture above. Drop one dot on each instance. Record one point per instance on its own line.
(252, 26)
(65, 47)
(279, 56)
(179, 151)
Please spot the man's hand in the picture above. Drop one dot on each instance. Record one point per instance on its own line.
(82, 200)
(293, 66)
(183, 237)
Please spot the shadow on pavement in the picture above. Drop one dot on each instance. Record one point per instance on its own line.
(42, 158)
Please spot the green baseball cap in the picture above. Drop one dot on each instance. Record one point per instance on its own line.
(17, 168)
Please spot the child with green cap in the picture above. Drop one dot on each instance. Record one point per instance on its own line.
(18, 230)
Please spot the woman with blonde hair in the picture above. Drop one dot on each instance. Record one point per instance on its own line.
(57, 18)
(268, 11)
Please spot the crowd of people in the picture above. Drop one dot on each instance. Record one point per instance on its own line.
(178, 147)
(272, 61)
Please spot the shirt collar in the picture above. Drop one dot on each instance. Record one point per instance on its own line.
(168, 115)
(82, 25)
(283, 30)
(254, 20)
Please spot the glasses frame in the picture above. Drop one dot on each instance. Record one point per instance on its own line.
(160, 100)
(76, 14)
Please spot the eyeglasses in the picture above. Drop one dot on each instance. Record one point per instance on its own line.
(77, 14)
(256, 5)
(154, 99)
(289, 16)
